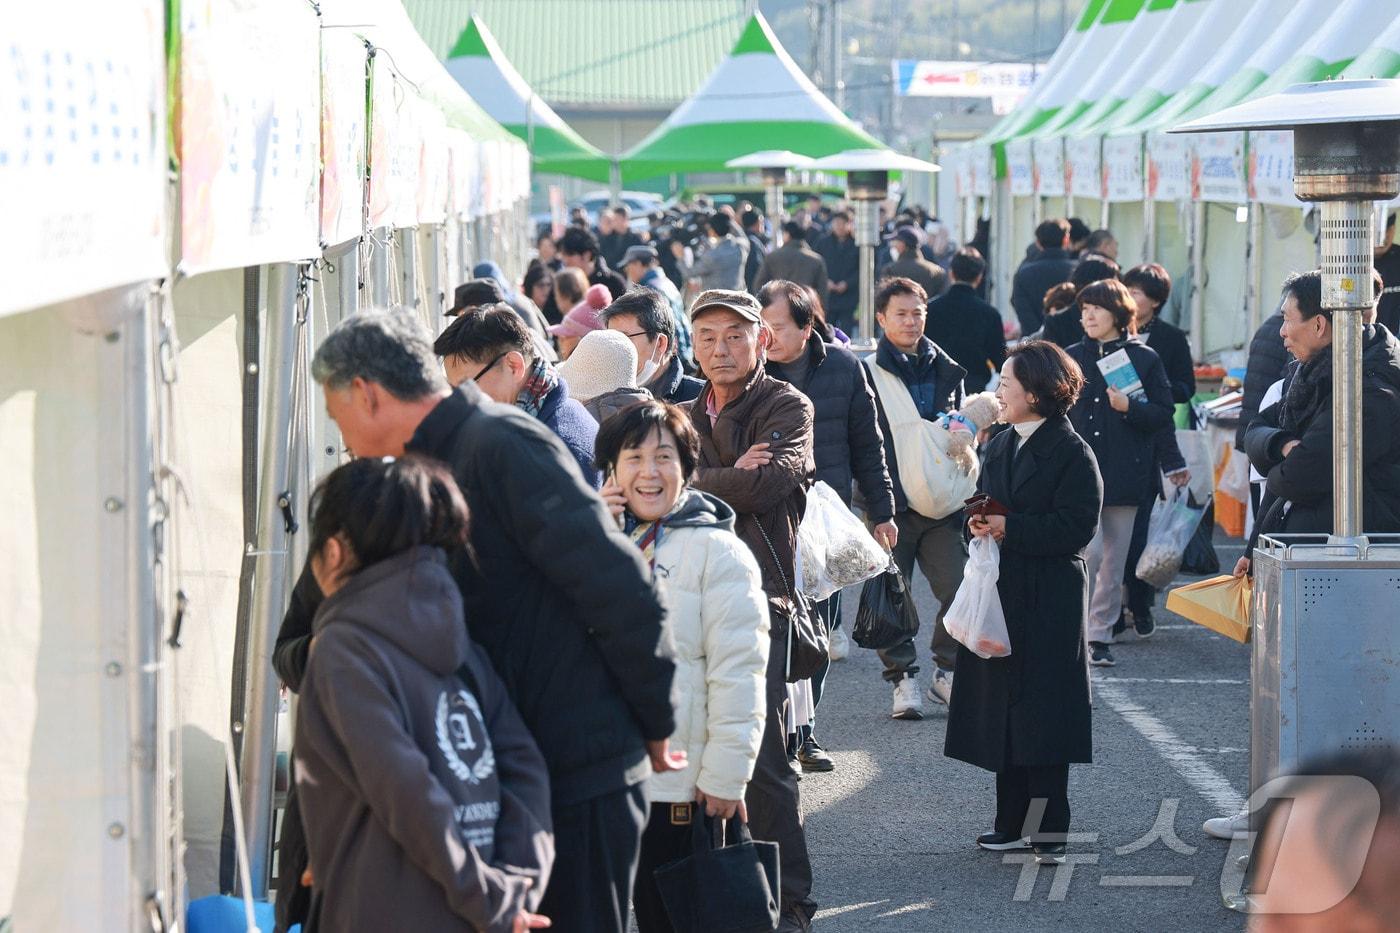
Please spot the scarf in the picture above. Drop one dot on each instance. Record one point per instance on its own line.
(542, 380)
(647, 535)
(1311, 383)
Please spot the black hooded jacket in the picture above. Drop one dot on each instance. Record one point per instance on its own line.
(1298, 487)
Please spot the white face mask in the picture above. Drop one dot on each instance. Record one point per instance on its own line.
(650, 367)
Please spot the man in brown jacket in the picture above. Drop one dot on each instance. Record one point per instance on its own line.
(910, 263)
(756, 454)
(794, 261)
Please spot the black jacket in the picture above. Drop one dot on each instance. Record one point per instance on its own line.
(1064, 328)
(559, 599)
(842, 265)
(1175, 351)
(604, 275)
(1032, 707)
(426, 802)
(846, 440)
(757, 250)
(1123, 442)
(935, 375)
(671, 384)
(1298, 488)
(1033, 279)
(615, 245)
(969, 330)
(1267, 360)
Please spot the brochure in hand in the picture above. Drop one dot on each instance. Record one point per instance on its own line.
(1119, 372)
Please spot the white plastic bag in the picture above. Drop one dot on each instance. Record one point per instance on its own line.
(1169, 530)
(836, 551)
(975, 618)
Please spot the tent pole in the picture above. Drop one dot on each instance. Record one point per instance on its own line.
(407, 238)
(270, 554)
(1254, 287)
(381, 241)
(867, 235)
(1149, 229)
(1198, 280)
(348, 279)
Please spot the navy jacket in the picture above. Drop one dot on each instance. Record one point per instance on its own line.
(846, 441)
(969, 330)
(671, 384)
(935, 381)
(1037, 276)
(568, 418)
(1123, 442)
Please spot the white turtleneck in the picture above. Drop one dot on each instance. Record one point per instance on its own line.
(1024, 430)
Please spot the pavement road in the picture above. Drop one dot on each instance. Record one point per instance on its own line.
(891, 830)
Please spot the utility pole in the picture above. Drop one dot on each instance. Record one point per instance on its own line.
(838, 83)
(816, 53)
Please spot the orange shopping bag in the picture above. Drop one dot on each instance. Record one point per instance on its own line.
(1222, 604)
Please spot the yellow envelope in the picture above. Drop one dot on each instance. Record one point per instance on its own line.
(1222, 604)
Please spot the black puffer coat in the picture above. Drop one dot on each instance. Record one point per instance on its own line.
(1298, 488)
(846, 441)
(1123, 442)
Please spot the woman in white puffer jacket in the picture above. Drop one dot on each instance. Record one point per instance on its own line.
(717, 620)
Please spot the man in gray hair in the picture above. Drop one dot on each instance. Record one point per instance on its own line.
(556, 595)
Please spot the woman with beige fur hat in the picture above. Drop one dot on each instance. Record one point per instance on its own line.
(602, 373)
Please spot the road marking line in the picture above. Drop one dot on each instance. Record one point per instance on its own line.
(1170, 680)
(1183, 758)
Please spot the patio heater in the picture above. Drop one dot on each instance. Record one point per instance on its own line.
(1325, 641)
(773, 164)
(867, 184)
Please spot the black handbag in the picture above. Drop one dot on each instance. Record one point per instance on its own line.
(1200, 557)
(807, 638)
(886, 615)
(728, 889)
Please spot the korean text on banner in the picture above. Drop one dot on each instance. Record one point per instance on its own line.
(461, 157)
(249, 134)
(1271, 168)
(1085, 158)
(1020, 167)
(1049, 167)
(82, 151)
(1122, 167)
(342, 137)
(1217, 168)
(432, 167)
(980, 159)
(1168, 167)
(395, 148)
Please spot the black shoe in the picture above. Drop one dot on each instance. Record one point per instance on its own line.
(1050, 854)
(793, 920)
(1121, 625)
(1002, 842)
(813, 757)
(1143, 624)
(1099, 655)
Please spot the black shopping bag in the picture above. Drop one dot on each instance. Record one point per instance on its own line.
(886, 615)
(730, 889)
(1200, 557)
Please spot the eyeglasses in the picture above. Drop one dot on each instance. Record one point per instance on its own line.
(487, 368)
(640, 333)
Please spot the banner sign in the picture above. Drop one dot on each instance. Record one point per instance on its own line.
(395, 148)
(1271, 168)
(461, 155)
(1006, 83)
(1168, 167)
(82, 151)
(1122, 168)
(1084, 158)
(980, 162)
(1049, 167)
(1217, 168)
(432, 166)
(249, 133)
(1020, 167)
(342, 137)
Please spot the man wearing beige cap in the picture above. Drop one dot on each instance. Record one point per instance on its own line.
(756, 454)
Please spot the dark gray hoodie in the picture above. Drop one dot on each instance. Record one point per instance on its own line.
(425, 800)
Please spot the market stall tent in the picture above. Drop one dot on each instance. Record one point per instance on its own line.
(479, 65)
(757, 98)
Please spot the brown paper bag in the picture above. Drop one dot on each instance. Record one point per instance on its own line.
(1222, 604)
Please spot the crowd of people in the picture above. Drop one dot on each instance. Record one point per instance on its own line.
(551, 622)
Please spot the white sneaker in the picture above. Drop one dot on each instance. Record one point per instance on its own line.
(840, 645)
(941, 690)
(1228, 827)
(907, 703)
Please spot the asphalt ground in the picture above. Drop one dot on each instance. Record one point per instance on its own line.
(891, 830)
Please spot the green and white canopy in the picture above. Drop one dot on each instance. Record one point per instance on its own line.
(483, 70)
(757, 98)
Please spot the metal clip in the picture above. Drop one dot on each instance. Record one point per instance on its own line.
(289, 519)
(182, 602)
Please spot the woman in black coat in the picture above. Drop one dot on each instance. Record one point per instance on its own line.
(1026, 716)
(1121, 429)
